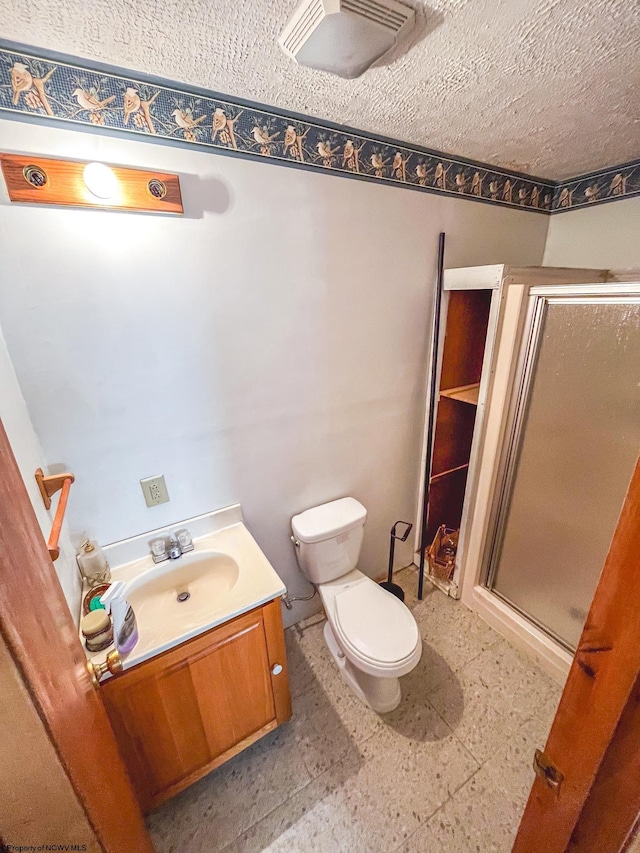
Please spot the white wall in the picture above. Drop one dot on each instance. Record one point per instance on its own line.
(606, 236)
(29, 456)
(270, 347)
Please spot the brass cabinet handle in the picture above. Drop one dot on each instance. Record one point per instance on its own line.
(113, 664)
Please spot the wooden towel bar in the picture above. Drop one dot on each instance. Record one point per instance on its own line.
(48, 486)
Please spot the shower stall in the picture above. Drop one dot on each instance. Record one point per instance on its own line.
(560, 438)
(573, 440)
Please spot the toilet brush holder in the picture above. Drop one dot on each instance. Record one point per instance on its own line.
(391, 587)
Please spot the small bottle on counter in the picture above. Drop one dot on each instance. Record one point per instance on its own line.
(93, 563)
(97, 630)
(125, 627)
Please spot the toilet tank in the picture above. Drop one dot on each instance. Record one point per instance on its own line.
(328, 539)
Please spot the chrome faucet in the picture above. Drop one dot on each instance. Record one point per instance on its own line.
(177, 545)
(174, 550)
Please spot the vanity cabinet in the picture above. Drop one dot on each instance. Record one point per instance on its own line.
(180, 715)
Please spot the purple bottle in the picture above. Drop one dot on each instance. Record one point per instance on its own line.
(125, 628)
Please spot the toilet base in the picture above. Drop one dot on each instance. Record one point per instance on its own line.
(380, 694)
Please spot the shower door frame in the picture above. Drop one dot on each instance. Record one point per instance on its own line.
(541, 299)
(519, 344)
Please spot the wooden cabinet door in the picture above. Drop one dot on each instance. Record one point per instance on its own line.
(188, 710)
(232, 686)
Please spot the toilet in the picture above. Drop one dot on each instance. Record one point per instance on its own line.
(371, 634)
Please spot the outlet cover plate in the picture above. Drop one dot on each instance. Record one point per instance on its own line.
(154, 490)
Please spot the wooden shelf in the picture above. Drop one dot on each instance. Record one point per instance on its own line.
(464, 393)
(450, 471)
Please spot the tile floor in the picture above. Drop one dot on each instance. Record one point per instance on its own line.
(447, 772)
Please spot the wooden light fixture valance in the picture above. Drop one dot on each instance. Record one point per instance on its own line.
(39, 180)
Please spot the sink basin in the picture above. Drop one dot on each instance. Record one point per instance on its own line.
(226, 575)
(177, 596)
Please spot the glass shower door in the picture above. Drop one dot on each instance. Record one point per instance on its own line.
(574, 443)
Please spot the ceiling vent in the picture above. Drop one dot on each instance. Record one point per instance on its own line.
(345, 37)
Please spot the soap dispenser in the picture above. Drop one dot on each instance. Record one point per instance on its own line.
(93, 563)
(125, 627)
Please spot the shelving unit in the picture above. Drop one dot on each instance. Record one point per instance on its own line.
(449, 471)
(482, 321)
(467, 320)
(464, 393)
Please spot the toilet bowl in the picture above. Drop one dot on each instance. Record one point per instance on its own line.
(372, 636)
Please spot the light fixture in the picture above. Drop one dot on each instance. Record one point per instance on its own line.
(100, 180)
(35, 176)
(345, 37)
(42, 180)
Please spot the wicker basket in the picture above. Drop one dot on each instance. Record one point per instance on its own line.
(441, 561)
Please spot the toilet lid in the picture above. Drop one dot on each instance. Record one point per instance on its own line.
(375, 623)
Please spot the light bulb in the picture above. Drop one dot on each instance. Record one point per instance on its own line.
(100, 180)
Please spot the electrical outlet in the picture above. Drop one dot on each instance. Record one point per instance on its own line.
(154, 490)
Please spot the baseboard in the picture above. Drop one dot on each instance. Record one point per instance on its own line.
(554, 659)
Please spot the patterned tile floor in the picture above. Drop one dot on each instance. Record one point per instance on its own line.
(447, 772)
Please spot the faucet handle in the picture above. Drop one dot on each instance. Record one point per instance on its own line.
(159, 549)
(185, 540)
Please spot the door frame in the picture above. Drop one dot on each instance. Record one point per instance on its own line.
(42, 638)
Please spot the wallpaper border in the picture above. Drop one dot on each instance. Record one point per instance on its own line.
(51, 88)
(604, 185)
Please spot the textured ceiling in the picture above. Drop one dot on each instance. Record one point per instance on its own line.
(550, 87)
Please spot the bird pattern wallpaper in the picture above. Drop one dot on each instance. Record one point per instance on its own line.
(47, 88)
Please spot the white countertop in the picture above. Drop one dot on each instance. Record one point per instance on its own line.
(162, 628)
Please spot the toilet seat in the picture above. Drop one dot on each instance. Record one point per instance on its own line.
(375, 629)
(370, 634)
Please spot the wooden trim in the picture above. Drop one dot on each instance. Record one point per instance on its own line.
(276, 651)
(615, 791)
(591, 724)
(65, 186)
(40, 633)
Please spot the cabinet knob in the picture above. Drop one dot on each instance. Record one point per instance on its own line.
(276, 669)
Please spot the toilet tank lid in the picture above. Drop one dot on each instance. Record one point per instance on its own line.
(328, 520)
